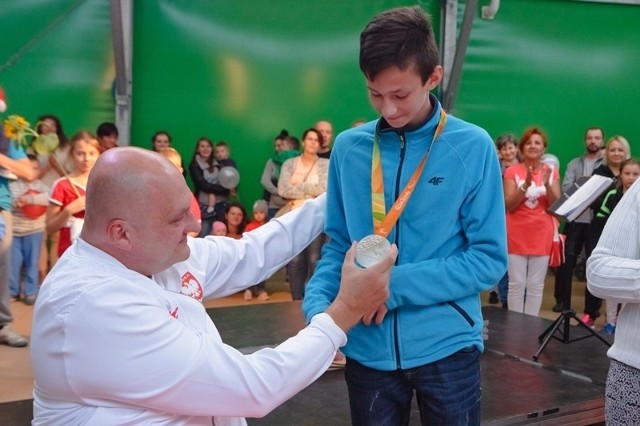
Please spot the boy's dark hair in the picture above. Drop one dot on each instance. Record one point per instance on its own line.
(106, 129)
(399, 37)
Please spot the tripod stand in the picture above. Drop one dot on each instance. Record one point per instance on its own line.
(561, 325)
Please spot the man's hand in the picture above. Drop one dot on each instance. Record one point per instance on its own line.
(362, 291)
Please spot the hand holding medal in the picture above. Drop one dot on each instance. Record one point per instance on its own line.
(370, 250)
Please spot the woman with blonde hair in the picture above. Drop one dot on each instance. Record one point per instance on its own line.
(617, 151)
(530, 188)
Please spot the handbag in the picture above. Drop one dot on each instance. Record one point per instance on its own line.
(556, 257)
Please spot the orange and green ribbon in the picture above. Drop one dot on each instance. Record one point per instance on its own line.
(383, 222)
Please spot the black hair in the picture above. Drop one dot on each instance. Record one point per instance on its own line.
(399, 37)
(106, 129)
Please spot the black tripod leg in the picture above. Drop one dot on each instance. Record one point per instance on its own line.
(549, 332)
(554, 326)
(591, 330)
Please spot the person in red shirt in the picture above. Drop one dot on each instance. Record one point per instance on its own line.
(66, 203)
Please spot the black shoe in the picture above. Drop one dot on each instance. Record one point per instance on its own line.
(558, 307)
(493, 297)
(505, 305)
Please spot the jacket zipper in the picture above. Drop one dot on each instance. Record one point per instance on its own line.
(397, 241)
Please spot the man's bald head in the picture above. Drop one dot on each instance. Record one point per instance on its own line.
(121, 180)
(132, 194)
(326, 130)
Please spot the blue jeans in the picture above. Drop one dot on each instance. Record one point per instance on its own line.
(301, 267)
(448, 392)
(25, 250)
(503, 287)
(272, 212)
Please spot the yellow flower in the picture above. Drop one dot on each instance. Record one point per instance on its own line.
(17, 128)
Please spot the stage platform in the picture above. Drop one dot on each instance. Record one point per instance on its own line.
(565, 386)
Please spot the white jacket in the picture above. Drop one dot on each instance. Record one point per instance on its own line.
(613, 274)
(112, 347)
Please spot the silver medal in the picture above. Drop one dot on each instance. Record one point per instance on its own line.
(370, 250)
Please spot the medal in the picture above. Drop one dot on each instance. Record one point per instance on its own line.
(370, 250)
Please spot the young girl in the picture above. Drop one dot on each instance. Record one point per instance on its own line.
(67, 201)
(260, 211)
(629, 172)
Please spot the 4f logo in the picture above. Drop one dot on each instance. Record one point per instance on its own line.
(436, 180)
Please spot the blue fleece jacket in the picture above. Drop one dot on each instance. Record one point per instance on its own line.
(451, 238)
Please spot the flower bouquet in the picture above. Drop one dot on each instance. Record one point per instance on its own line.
(19, 130)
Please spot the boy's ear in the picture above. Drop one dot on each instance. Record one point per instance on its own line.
(435, 78)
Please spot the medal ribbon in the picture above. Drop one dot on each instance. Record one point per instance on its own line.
(383, 223)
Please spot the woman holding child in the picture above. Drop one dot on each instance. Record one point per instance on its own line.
(212, 197)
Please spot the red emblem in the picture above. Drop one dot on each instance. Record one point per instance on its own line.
(174, 313)
(189, 286)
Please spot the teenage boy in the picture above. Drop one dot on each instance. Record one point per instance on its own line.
(427, 337)
(107, 134)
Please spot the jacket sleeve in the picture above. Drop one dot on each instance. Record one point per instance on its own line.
(571, 175)
(613, 269)
(218, 379)
(231, 265)
(322, 288)
(265, 180)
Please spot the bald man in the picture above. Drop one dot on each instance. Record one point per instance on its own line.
(120, 335)
(326, 130)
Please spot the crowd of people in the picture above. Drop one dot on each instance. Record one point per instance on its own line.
(531, 184)
(414, 159)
